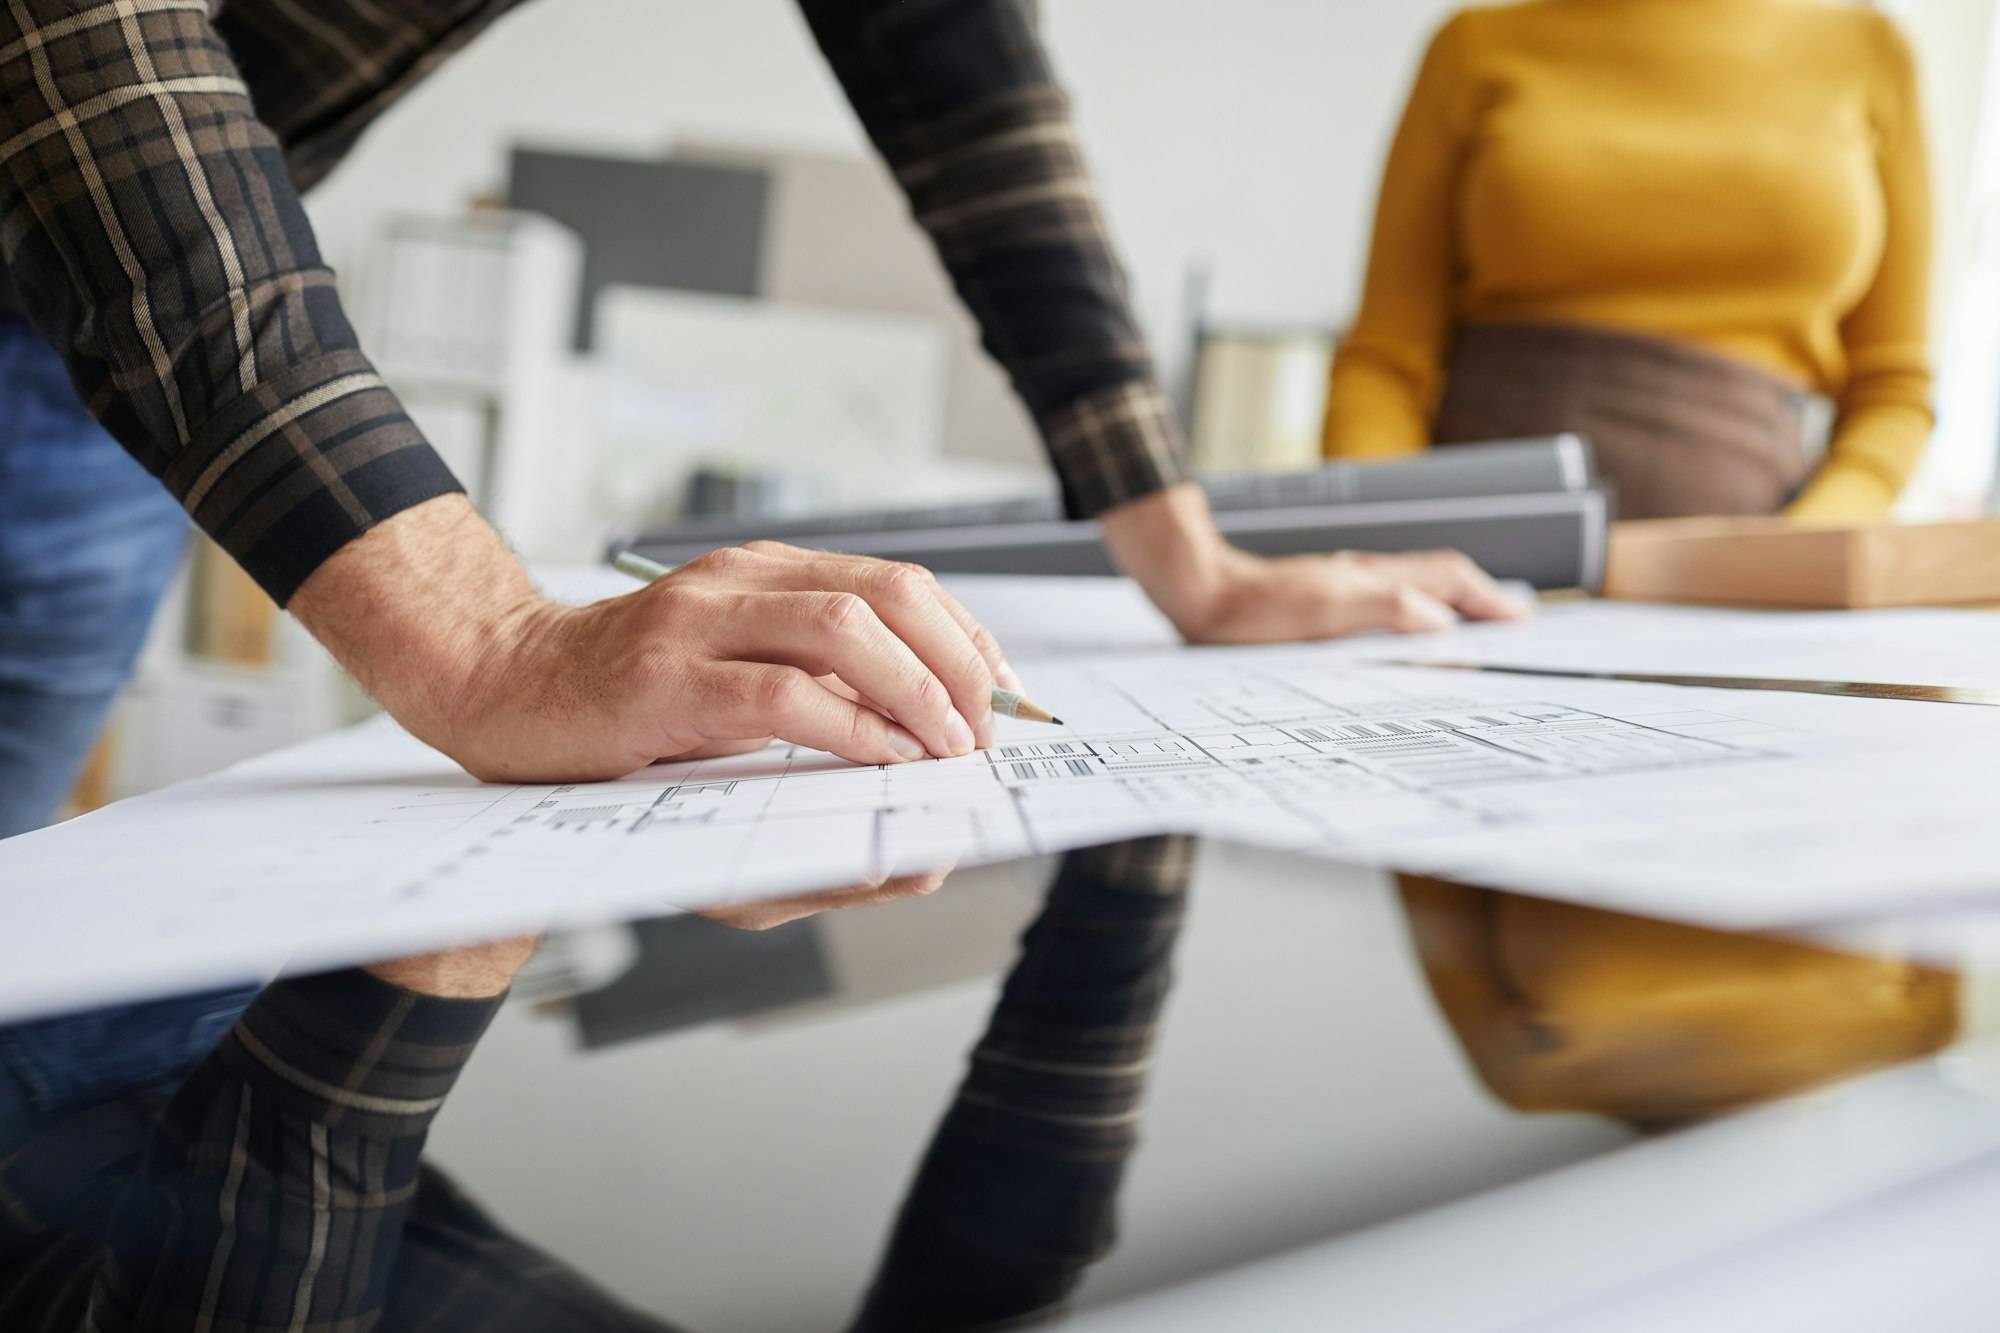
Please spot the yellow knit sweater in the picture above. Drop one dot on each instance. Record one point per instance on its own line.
(1746, 175)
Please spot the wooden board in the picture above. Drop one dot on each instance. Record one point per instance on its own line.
(1773, 562)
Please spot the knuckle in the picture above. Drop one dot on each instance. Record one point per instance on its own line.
(975, 669)
(681, 601)
(766, 547)
(841, 612)
(773, 692)
(723, 560)
(1389, 601)
(860, 731)
(897, 583)
(672, 600)
(985, 644)
(930, 693)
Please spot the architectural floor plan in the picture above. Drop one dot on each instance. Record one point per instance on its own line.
(1730, 807)
(1285, 748)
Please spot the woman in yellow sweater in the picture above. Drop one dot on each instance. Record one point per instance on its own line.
(1657, 223)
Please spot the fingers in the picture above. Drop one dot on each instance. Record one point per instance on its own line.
(839, 633)
(905, 598)
(910, 602)
(989, 647)
(1453, 579)
(764, 699)
(765, 913)
(1404, 609)
(1377, 602)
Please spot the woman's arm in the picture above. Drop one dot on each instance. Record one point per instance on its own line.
(1884, 410)
(1383, 388)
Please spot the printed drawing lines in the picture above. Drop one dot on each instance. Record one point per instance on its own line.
(1301, 752)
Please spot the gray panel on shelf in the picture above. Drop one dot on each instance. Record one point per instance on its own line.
(1525, 509)
(691, 970)
(1553, 540)
(695, 226)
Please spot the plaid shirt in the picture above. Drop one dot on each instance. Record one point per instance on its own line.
(150, 224)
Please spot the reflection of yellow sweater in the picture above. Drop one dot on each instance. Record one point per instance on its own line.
(1747, 175)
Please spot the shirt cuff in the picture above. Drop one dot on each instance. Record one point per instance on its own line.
(1114, 446)
(293, 470)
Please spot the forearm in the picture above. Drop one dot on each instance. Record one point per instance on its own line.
(1168, 543)
(416, 607)
(959, 98)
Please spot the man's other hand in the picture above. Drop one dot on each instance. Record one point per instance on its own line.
(870, 660)
(1215, 593)
(767, 913)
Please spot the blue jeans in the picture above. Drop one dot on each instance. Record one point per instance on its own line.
(88, 543)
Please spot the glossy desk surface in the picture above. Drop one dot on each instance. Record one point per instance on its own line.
(1340, 1101)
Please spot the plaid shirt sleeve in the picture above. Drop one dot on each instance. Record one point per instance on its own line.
(153, 235)
(958, 98)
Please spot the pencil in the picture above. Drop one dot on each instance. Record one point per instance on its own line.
(1014, 704)
(1006, 703)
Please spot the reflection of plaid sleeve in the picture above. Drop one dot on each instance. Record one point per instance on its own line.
(280, 1189)
(958, 96)
(278, 1180)
(1015, 1197)
(153, 234)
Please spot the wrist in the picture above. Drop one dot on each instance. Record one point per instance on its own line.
(419, 609)
(1168, 543)
(479, 972)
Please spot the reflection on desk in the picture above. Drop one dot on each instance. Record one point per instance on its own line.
(1221, 1087)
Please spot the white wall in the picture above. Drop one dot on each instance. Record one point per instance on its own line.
(1960, 49)
(1248, 135)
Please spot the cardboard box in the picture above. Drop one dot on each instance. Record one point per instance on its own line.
(1769, 561)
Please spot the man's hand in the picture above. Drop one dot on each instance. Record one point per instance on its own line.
(1215, 593)
(868, 659)
(766, 913)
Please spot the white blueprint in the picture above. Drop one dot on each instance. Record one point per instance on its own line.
(1728, 807)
